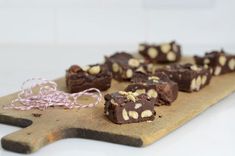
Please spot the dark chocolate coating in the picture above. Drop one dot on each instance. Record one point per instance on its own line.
(166, 89)
(161, 57)
(188, 76)
(78, 80)
(121, 110)
(219, 61)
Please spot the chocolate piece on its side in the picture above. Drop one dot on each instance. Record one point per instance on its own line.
(93, 76)
(219, 61)
(123, 65)
(188, 76)
(162, 53)
(126, 107)
(158, 86)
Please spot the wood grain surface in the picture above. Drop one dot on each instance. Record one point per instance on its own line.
(56, 123)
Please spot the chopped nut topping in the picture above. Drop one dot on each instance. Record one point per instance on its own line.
(138, 105)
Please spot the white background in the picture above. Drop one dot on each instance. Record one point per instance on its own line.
(192, 22)
(41, 38)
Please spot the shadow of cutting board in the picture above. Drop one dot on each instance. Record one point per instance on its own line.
(57, 123)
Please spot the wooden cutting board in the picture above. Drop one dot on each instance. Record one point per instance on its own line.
(57, 123)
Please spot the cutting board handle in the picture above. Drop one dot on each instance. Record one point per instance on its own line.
(32, 138)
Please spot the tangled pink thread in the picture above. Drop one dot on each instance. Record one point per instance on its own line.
(48, 96)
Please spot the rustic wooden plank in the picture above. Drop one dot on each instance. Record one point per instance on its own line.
(57, 123)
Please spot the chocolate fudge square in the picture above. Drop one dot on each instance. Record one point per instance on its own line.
(127, 107)
(123, 65)
(93, 76)
(219, 61)
(158, 86)
(189, 77)
(161, 53)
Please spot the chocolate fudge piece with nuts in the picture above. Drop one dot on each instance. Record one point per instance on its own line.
(189, 77)
(127, 107)
(122, 65)
(219, 61)
(158, 86)
(161, 53)
(93, 76)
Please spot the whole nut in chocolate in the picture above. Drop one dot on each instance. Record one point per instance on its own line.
(134, 63)
(86, 68)
(152, 93)
(222, 60)
(165, 48)
(231, 64)
(217, 70)
(94, 70)
(115, 67)
(152, 52)
(193, 84)
(140, 91)
(194, 67)
(133, 114)
(171, 56)
(204, 78)
(146, 113)
(206, 61)
(124, 114)
(129, 73)
(198, 82)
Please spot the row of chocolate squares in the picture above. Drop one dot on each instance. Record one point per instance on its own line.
(123, 66)
(149, 86)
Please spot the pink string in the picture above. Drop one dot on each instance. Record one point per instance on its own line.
(48, 96)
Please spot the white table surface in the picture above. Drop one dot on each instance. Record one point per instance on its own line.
(211, 133)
